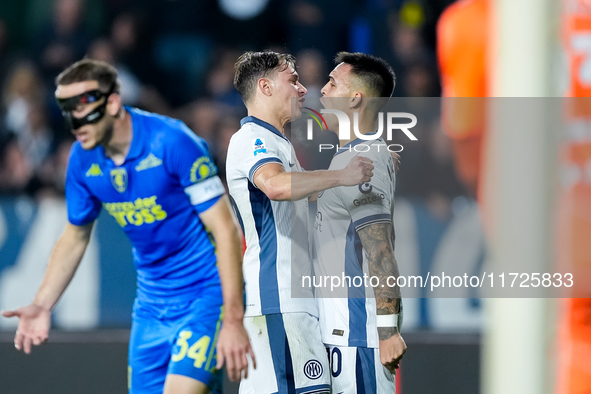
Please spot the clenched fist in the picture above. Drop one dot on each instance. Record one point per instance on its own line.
(358, 171)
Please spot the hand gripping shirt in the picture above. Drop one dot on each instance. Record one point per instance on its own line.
(167, 178)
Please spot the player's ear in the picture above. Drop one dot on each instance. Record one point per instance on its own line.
(355, 101)
(265, 86)
(114, 104)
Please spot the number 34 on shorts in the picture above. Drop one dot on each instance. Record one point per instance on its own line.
(200, 351)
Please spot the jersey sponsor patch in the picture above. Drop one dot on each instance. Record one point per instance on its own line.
(340, 333)
(313, 369)
(202, 168)
(94, 170)
(365, 188)
(374, 199)
(149, 162)
(138, 212)
(119, 179)
(259, 146)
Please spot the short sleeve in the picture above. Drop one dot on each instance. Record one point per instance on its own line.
(83, 207)
(192, 164)
(254, 149)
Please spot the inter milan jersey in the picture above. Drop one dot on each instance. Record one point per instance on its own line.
(348, 312)
(155, 196)
(276, 232)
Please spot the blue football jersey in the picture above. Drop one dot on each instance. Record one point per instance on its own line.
(167, 178)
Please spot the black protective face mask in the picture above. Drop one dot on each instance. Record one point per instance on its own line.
(68, 105)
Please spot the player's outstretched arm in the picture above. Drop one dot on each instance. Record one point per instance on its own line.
(35, 319)
(378, 241)
(279, 185)
(233, 344)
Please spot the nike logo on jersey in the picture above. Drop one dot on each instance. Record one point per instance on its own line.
(291, 164)
(149, 162)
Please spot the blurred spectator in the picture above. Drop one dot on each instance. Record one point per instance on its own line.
(101, 49)
(15, 170)
(6, 58)
(413, 62)
(52, 176)
(431, 161)
(407, 43)
(40, 12)
(36, 141)
(22, 89)
(309, 22)
(225, 129)
(63, 40)
(202, 116)
(185, 35)
(220, 80)
(131, 41)
(420, 80)
(133, 92)
(312, 71)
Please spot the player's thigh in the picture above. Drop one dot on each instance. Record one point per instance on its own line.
(359, 370)
(194, 354)
(149, 352)
(290, 355)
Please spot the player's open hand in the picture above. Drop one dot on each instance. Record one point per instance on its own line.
(391, 352)
(232, 349)
(33, 326)
(358, 171)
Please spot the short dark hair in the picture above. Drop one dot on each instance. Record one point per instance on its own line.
(90, 70)
(374, 72)
(251, 66)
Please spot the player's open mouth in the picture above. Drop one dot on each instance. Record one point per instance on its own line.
(81, 137)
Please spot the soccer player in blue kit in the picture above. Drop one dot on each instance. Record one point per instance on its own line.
(157, 179)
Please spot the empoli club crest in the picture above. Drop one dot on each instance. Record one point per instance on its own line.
(119, 179)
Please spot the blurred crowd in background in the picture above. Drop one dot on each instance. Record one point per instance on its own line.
(176, 57)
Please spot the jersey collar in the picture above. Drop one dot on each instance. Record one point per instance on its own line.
(352, 144)
(262, 123)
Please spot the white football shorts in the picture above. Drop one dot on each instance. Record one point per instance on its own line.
(290, 355)
(359, 370)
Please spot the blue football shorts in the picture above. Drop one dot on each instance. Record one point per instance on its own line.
(175, 339)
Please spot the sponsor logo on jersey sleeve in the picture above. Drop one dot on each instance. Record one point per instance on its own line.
(202, 169)
(94, 170)
(119, 179)
(259, 146)
(150, 161)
